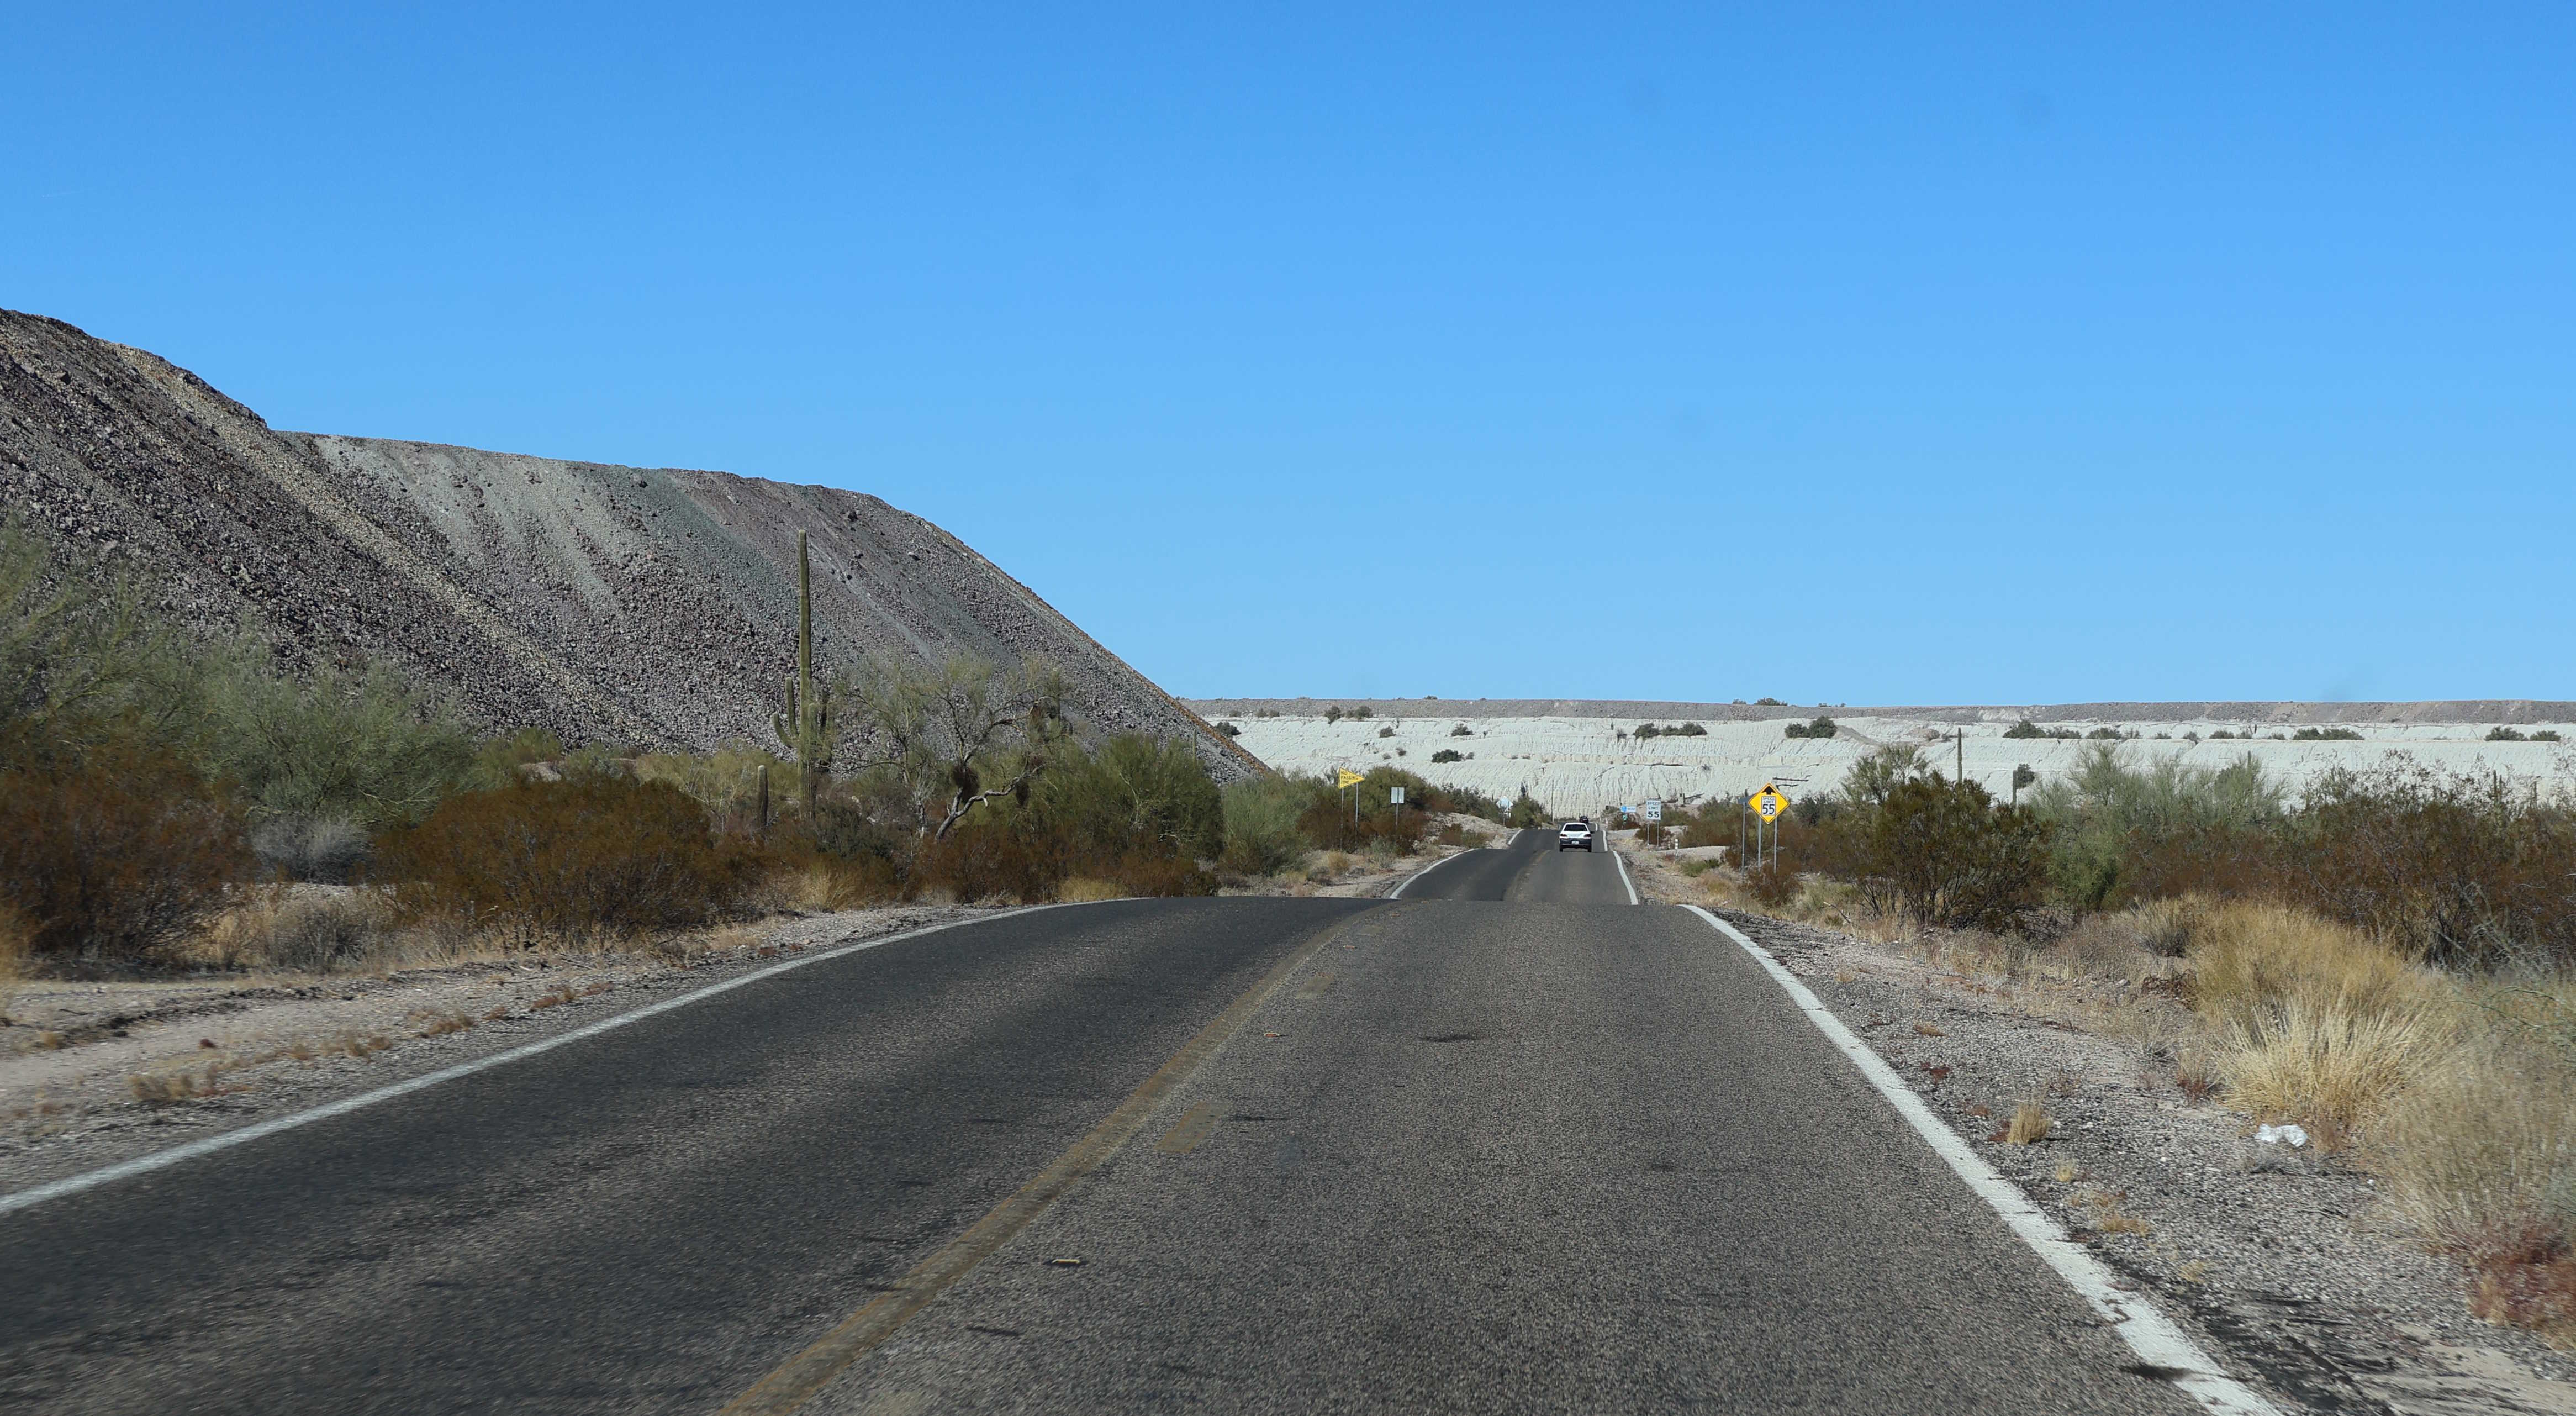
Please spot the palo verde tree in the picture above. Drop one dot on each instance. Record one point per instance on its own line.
(958, 736)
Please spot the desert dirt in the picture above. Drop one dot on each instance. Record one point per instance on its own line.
(2273, 1254)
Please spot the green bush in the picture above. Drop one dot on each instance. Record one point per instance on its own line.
(1952, 857)
(2326, 735)
(1451, 754)
(1261, 835)
(1462, 730)
(1525, 811)
(363, 747)
(2495, 734)
(1822, 727)
(1132, 795)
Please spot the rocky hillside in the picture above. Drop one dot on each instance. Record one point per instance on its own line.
(649, 606)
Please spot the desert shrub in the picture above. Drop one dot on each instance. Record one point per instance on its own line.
(117, 854)
(1450, 754)
(2547, 735)
(1230, 730)
(2479, 1154)
(78, 668)
(1266, 713)
(1462, 730)
(1646, 731)
(1769, 703)
(2253, 958)
(327, 849)
(299, 933)
(1771, 886)
(2120, 832)
(2499, 734)
(589, 855)
(1333, 714)
(727, 782)
(497, 760)
(2329, 1069)
(1950, 856)
(1363, 713)
(1387, 732)
(1526, 811)
(1261, 835)
(364, 748)
(2464, 870)
(1332, 825)
(1654, 834)
(1822, 727)
(1693, 730)
(2325, 735)
(1132, 794)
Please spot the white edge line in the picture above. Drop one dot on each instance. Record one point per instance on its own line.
(1623, 872)
(157, 1160)
(2146, 1329)
(1406, 883)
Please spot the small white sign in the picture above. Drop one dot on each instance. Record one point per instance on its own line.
(1395, 796)
(1652, 811)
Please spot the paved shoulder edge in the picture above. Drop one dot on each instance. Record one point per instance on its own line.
(2160, 1345)
(226, 1140)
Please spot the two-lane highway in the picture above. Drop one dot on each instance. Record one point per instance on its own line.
(1527, 868)
(1507, 1143)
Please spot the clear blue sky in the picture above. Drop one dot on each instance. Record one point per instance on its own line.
(1979, 354)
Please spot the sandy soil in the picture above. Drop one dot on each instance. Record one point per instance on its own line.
(2272, 1253)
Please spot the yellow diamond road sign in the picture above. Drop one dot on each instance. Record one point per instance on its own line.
(1768, 803)
(1351, 778)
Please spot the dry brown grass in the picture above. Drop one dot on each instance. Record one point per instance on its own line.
(2480, 1154)
(440, 1024)
(2330, 1070)
(2249, 959)
(2030, 1124)
(1083, 889)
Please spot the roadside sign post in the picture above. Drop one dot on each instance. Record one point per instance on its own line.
(1767, 805)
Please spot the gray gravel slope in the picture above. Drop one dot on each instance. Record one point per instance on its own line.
(641, 606)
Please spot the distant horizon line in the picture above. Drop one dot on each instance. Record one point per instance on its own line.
(2501, 711)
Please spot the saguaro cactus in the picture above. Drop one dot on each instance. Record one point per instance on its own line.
(805, 729)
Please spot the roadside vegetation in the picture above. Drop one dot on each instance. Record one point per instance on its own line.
(171, 805)
(2388, 961)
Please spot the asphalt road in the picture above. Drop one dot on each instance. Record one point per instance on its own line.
(1505, 1144)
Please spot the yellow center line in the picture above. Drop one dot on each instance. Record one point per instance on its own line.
(1194, 1127)
(796, 1380)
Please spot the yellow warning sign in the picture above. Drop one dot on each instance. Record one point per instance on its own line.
(1350, 778)
(1768, 803)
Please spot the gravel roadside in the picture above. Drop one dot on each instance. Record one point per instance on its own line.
(2274, 1254)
